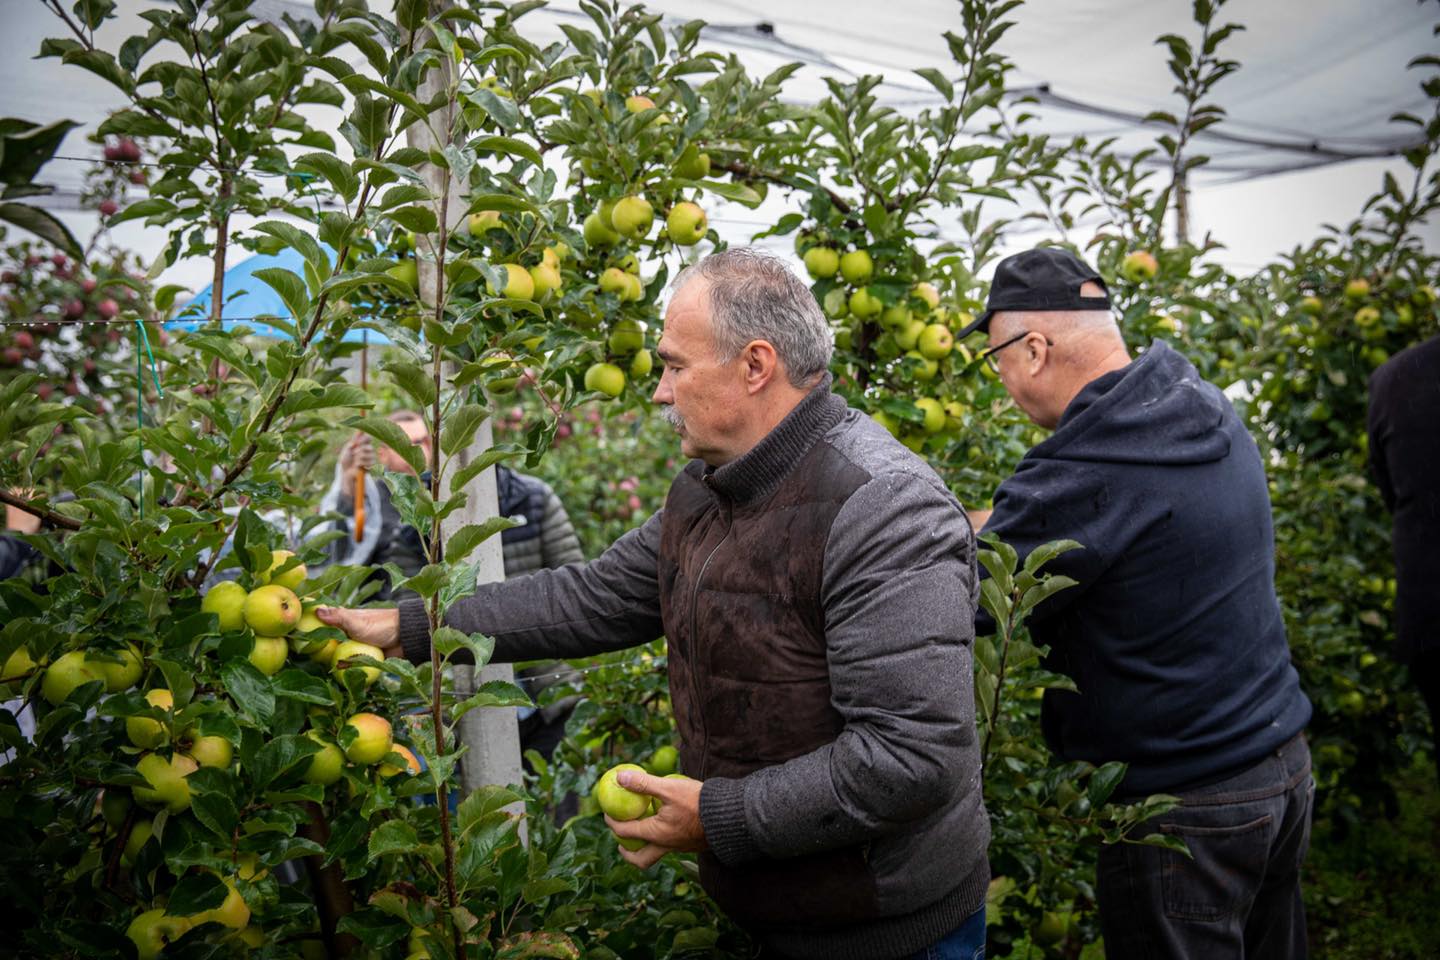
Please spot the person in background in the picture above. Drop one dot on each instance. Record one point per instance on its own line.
(1173, 633)
(1404, 431)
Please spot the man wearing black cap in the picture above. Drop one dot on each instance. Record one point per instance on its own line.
(1173, 634)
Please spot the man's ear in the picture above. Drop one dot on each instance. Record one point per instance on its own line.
(1037, 352)
(760, 363)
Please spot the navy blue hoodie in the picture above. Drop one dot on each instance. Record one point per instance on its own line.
(1173, 635)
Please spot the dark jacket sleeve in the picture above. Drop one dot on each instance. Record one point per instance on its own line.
(577, 610)
(897, 592)
(1378, 430)
(1048, 500)
(15, 554)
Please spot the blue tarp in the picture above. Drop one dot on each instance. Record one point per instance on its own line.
(248, 298)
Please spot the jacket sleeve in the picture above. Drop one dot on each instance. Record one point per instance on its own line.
(577, 610)
(558, 543)
(1043, 501)
(14, 555)
(897, 593)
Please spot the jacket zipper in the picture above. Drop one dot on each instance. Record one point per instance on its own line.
(695, 646)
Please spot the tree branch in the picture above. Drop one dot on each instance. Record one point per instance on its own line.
(46, 516)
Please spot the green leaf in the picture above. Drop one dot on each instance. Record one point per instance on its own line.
(737, 192)
(290, 288)
(195, 893)
(508, 146)
(333, 395)
(1165, 841)
(480, 804)
(43, 225)
(392, 837)
(391, 434)
(427, 582)
(298, 239)
(460, 427)
(1104, 781)
(501, 451)
(1046, 552)
(279, 755)
(217, 812)
(495, 693)
(299, 685)
(938, 81)
(413, 379)
(501, 109)
(470, 536)
(250, 688)
(344, 180)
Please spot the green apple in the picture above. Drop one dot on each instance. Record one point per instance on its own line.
(936, 342)
(836, 303)
(290, 579)
(1357, 289)
(598, 233)
(412, 763)
(372, 741)
(926, 292)
(934, 414)
(272, 610)
(927, 368)
(1138, 266)
(639, 103)
(233, 913)
(605, 378)
(545, 278)
(1312, 306)
(227, 601)
(145, 732)
(863, 304)
(616, 281)
(124, 674)
(664, 761)
(822, 262)
(908, 336)
(632, 217)
(167, 782)
(618, 802)
(1367, 317)
(65, 674)
(626, 337)
(895, 317)
(354, 648)
(641, 364)
(481, 223)
(140, 833)
(518, 284)
(686, 224)
(913, 442)
(634, 288)
(17, 665)
(692, 165)
(153, 931)
(210, 751)
(114, 807)
(406, 272)
(268, 654)
(856, 266)
(326, 766)
(954, 415)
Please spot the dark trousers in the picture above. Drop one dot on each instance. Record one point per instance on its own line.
(1238, 895)
(1425, 672)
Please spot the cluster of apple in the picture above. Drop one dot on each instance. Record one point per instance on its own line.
(619, 803)
(913, 333)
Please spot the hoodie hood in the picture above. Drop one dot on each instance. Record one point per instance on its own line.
(1156, 410)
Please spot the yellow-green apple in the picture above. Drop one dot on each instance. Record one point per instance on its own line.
(616, 281)
(692, 165)
(167, 782)
(864, 304)
(233, 913)
(605, 378)
(664, 761)
(290, 579)
(268, 654)
(125, 673)
(209, 751)
(822, 262)
(1139, 265)
(856, 266)
(639, 103)
(686, 224)
(65, 674)
(372, 739)
(317, 650)
(618, 802)
(412, 763)
(634, 289)
(272, 610)
(480, 223)
(406, 272)
(153, 931)
(1312, 306)
(626, 336)
(598, 233)
(641, 364)
(895, 317)
(326, 766)
(1367, 317)
(936, 342)
(354, 648)
(545, 278)
(909, 335)
(924, 290)
(632, 217)
(518, 284)
(227, 601)
(934, 414)
(17, 665)
(1357, 289)
(140, 833)
(145, 732)
(927, 368)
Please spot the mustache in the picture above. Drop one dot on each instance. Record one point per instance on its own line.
(672, 416)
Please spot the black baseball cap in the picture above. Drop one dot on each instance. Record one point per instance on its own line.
(1046, 278)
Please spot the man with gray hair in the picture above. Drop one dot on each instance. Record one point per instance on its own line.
(815, 581)
(1173, 634)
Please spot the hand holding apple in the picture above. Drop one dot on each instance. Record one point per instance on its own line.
(379, 628)
(676, 826)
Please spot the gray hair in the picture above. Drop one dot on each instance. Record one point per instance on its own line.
(755, 296)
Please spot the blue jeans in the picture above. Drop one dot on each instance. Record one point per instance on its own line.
(965, 942)
(1238, 895)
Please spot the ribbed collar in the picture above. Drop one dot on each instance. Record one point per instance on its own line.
(757, 473)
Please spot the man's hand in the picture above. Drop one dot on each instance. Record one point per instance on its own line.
(380, 628)
(978, 518)
(358, 454)
(676, 827)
